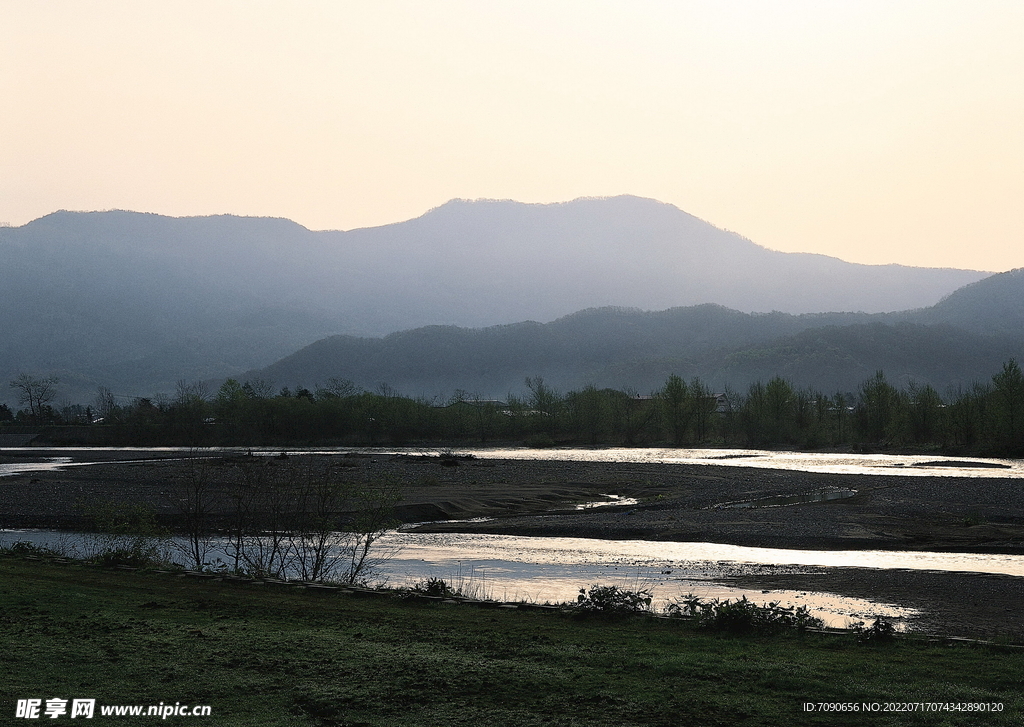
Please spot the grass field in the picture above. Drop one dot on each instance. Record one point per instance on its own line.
(274, 655)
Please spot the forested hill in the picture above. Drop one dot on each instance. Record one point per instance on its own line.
(962, 339)
(136, 302)
(992, 305)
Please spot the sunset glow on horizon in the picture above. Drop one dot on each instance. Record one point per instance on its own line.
(876, 132)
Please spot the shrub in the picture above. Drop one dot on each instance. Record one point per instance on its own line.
(612, 601)
(880, 632)
(743, 616)
(23, 547)
(133, 555)
(126, 534)
(435, 587)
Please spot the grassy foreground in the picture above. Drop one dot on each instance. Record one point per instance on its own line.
(271, 655)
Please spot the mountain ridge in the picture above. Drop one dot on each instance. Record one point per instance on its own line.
(634, 349)
(138, 301)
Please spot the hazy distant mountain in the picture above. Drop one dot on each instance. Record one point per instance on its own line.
(137, 301)
(486, 262)
(992, 305)
(958, 341)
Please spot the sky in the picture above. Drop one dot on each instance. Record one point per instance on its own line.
(877, 132)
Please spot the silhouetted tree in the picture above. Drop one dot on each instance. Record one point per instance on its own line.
(704, 406)
(967, 413)
(336, 388)
(879, 409)
(676, 408)
(106, 405)
(924, 414)
(189, 411)
(35, 393)
(588, 412)
(1008, 397)
(780, 405)
(258, 388)
(546, 402)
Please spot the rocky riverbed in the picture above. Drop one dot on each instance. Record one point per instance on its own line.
(675, 502)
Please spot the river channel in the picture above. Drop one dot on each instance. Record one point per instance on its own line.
(548, 569)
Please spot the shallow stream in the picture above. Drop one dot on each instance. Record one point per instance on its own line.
(543, 569)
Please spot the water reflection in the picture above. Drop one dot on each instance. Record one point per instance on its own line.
(829, 463)
(552, 570)
(612, 500)
(50, 463)
(704, 559)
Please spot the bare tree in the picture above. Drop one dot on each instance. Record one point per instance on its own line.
(705, 403)
(258, 539)
(189, 406)
(193, 496)
(35, 393)
(307, 521)
(258, 388)
(105, 403)
(1009, 399)
(374, 517)
(336, 388)
(191, 393)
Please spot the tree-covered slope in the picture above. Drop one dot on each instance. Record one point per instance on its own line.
(625, 348)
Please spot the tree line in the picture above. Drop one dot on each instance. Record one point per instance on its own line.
(981, 418)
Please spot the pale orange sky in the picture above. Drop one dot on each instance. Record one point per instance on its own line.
(872, 131)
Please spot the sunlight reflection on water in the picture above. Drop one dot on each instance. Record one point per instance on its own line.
(865, 464)
(829, 463)
(554, 569)
(51, 463)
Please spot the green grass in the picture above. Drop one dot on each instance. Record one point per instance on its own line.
(265, 655)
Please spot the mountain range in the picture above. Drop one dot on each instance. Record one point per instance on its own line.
(137, 302)
(964, 338)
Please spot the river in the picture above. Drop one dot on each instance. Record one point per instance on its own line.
(544, 569)
(824, 462)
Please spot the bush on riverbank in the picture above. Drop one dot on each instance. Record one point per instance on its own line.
(743, 616)
(612, 601)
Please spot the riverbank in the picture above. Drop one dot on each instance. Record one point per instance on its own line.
(277, 655)
(676, 503)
